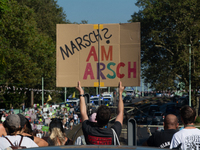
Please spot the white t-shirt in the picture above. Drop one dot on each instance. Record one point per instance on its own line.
(15, 139)
(190, 139)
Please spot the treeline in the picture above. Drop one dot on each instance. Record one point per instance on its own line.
(28, 50)
(168, 30)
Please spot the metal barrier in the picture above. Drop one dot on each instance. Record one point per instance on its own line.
(132, 132)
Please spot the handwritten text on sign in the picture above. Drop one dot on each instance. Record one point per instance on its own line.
(85, 41)
(115, 73)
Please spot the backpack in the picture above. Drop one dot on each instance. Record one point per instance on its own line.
(16, 147)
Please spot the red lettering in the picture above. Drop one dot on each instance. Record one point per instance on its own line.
(121, 64)
(92, 53)
(88, 71)
(103, 53)
(99, 140)
(131, 69)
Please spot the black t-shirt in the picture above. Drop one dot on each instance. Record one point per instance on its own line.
(161, 139)
(98, 136)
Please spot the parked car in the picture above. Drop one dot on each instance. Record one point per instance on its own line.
(141, 118)
(170, 108)
(175, 98)
(127, 99)
(160, 127)
(181, 102)
(158, 117)
(152, 109)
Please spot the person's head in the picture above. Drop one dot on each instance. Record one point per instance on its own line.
(103, 115)
(22, 120)
(170, 122)
(57, 134)
(12, 124)
(27, 127)
(188, 114)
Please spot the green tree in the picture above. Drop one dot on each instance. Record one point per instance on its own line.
(28, 54)
(167, 27)
(47, 15)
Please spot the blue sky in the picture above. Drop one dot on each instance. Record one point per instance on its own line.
(98, 11)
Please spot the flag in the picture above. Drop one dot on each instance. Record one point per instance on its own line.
(73, 96)
(49, 98)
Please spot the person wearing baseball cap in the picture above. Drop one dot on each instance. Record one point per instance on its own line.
(13, 128)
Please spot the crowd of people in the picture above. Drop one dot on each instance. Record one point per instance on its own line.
(17, 130)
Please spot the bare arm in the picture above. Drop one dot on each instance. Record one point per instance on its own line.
(83, 108)
(120, 115)
(39, 141)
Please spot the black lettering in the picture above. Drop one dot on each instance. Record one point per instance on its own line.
(90, 38)
(79, 42)
(73, 46)
(66, 52)
(97, 35)
(86, 40)
(106, 33)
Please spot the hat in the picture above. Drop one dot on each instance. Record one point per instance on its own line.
(22, 120)
(93, 117)
(13, 120)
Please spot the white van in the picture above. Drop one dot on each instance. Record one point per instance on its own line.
(73, 101)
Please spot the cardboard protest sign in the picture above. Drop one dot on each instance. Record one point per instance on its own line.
(87, 53)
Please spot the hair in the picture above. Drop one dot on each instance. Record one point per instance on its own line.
(11, 130)
(188, 114)
(28, 128)
(56, 132)
(103, 115)
(22, 120)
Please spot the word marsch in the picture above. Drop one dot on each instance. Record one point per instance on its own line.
(89, 69)
(84, 42)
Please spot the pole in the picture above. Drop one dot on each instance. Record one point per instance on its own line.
(189, 74)
(136, 93)
(142, 89)
(96, 90)
(99, 60)
(42, 91)
(65, 95)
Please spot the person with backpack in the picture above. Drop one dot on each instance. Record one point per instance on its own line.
(13, 140)
(28, 132)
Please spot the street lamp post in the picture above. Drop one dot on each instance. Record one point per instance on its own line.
(42, 91)
(189, 74)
